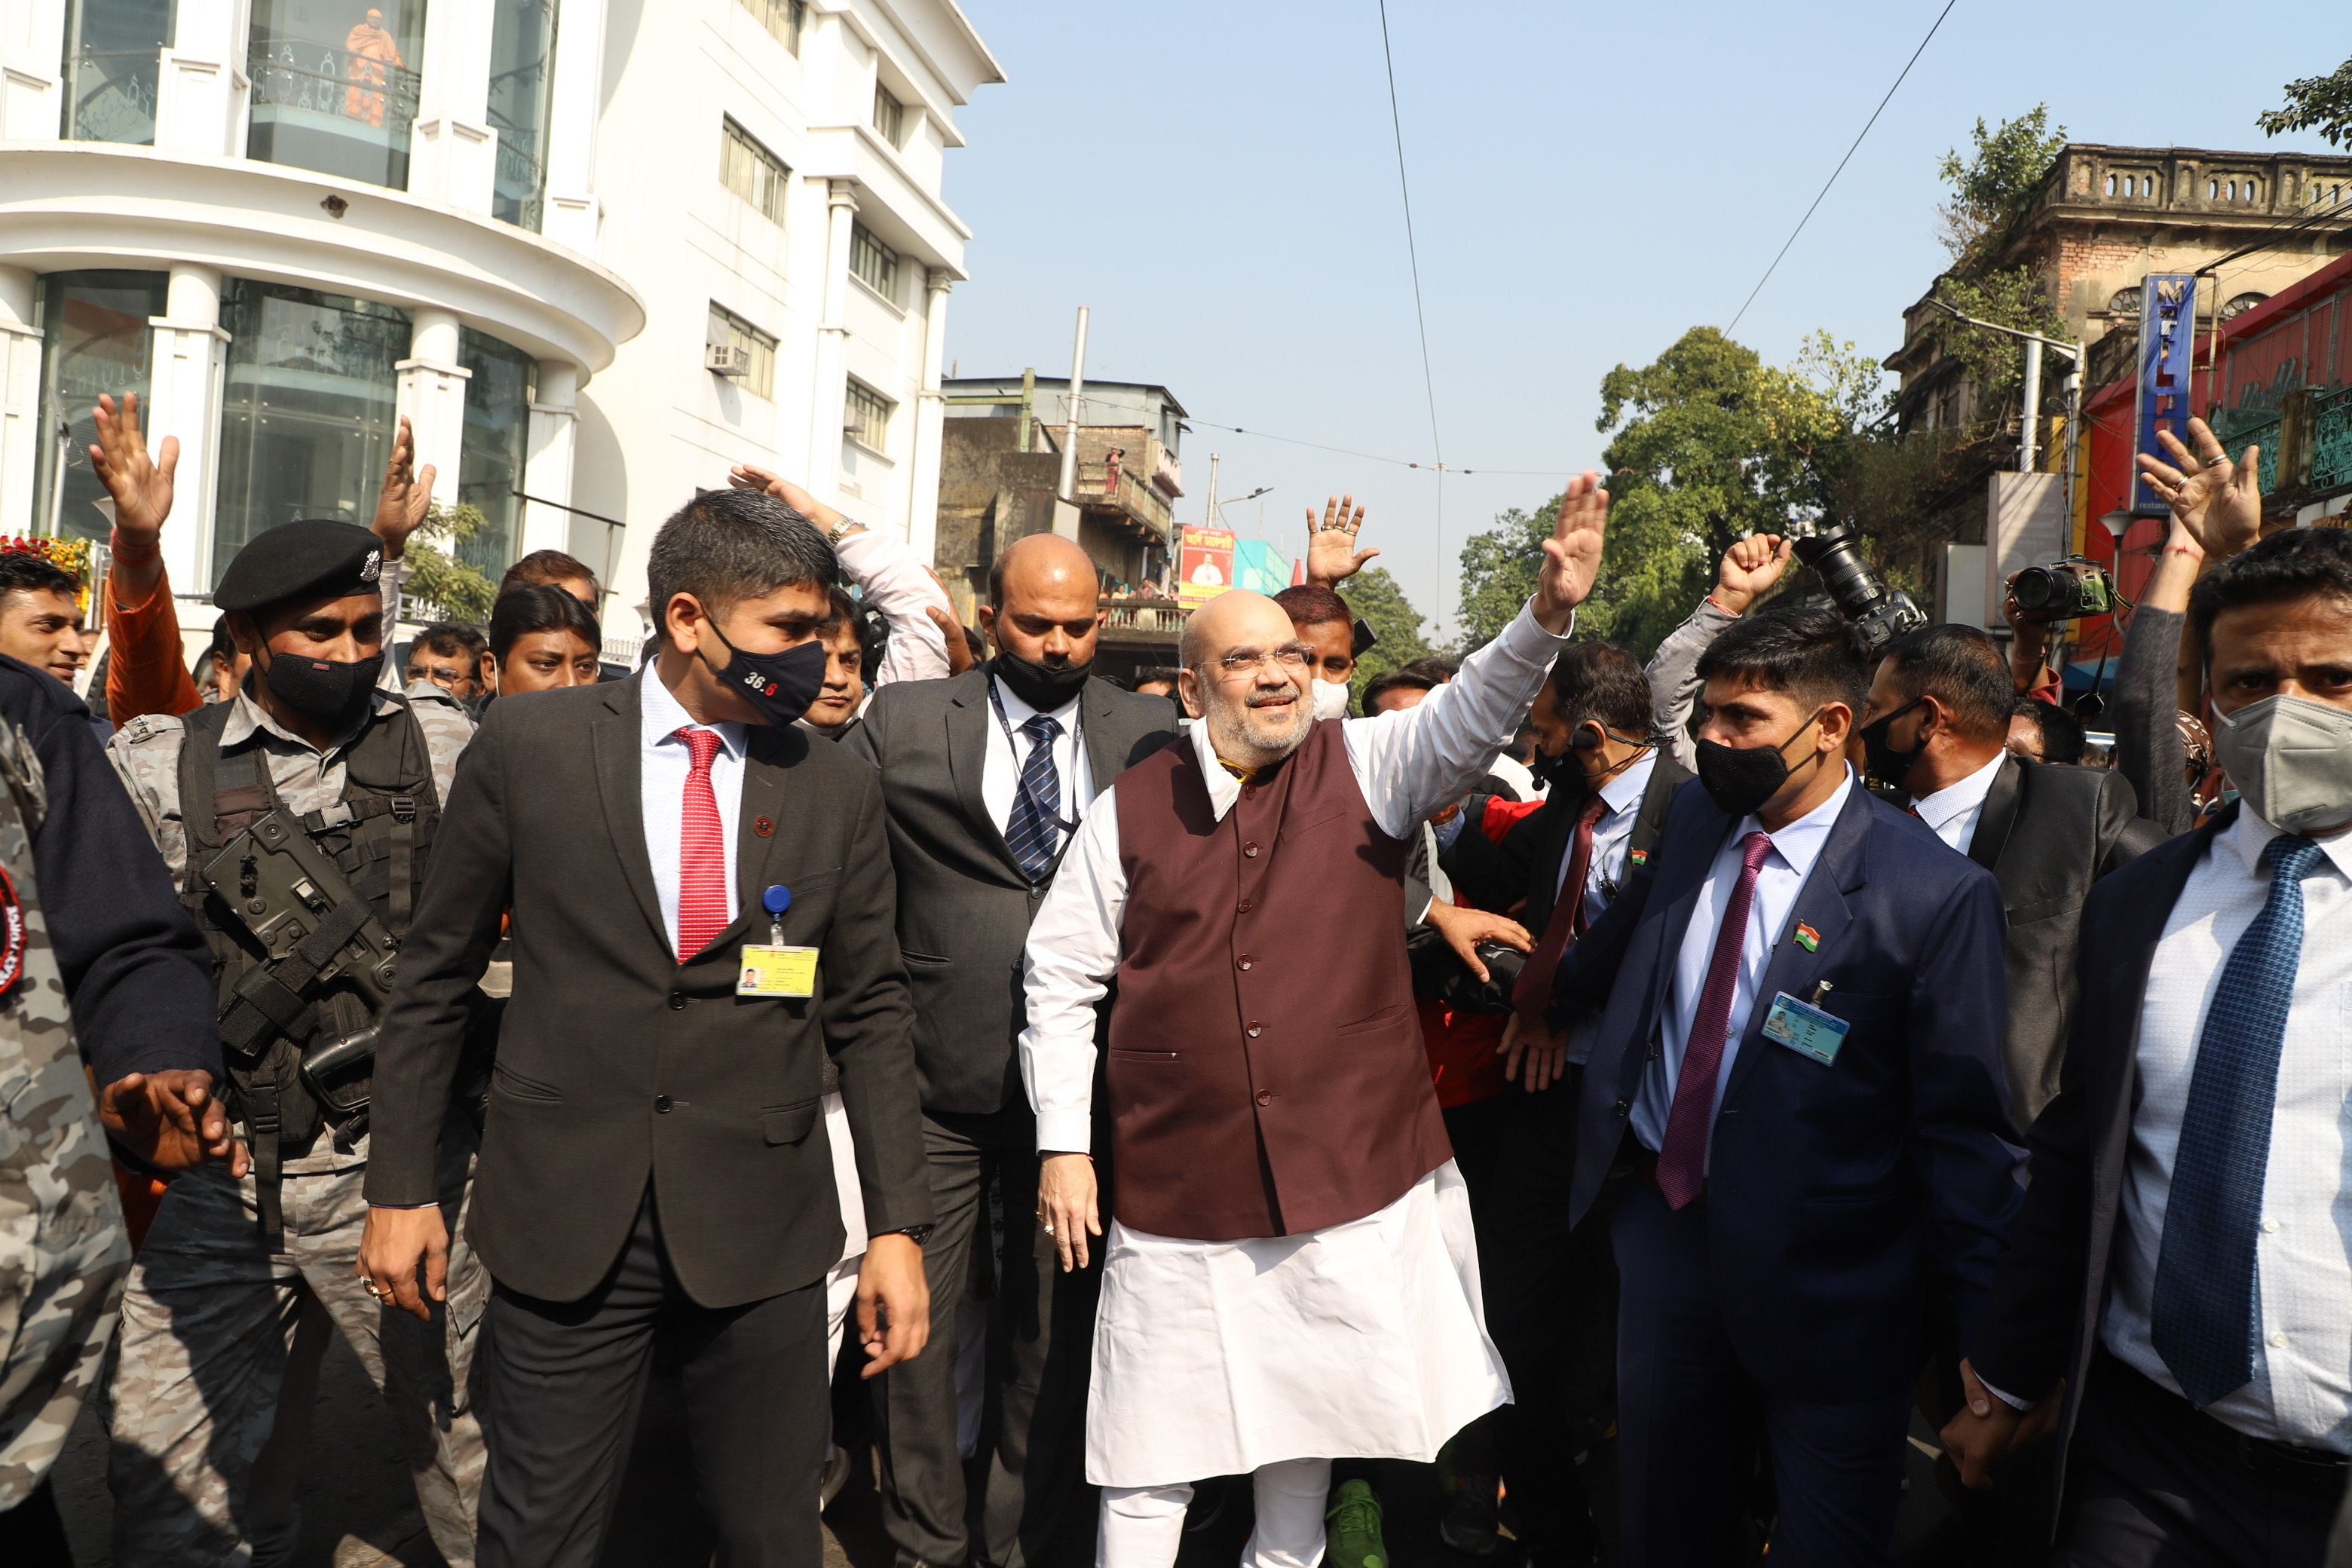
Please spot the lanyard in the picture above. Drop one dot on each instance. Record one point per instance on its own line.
(1020, 768)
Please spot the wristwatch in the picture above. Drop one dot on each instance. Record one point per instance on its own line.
(841, 527)
(918, 1233)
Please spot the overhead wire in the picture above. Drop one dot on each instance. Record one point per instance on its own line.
(1420, 315)
(1842, 163)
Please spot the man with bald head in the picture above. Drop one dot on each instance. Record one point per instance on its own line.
(987, 775)
(1290, 1277)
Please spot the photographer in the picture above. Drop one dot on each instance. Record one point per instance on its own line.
(210, 1320)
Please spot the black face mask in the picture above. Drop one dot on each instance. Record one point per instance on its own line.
(778, 686)
(1740, 779)
(1043, 687)
(1887, 764)
(328, 692)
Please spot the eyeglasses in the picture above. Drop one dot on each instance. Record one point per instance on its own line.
(1241, 665)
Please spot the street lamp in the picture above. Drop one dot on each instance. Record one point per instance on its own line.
(2028, 448)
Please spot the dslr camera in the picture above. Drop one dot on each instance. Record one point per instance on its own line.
(2065, 590)
(1881, 614)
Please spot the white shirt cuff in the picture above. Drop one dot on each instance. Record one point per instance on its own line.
(1065, 1133)
(2012, 1401)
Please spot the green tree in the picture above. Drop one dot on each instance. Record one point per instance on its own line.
(1499, 572)
(2321, 103)
(435, 575)
(1995, 184)
(1373, 594)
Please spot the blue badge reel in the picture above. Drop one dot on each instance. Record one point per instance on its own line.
(771, 968)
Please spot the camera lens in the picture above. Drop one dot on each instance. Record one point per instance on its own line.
(1851, 584)
(2034, 588)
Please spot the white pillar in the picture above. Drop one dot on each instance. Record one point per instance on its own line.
(200, 87)
(431, 395)
(923, 480)
(189, 360)
(32, 43)
(452, 152)
(573, 213)
(546, 476)
(829, 391)
(20, 400)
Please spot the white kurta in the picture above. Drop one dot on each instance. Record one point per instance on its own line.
(1365, 1338)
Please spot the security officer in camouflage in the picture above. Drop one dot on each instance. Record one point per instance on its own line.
(92, 944)
(208, 1392)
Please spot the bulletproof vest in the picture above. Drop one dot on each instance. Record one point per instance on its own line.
(380, 835)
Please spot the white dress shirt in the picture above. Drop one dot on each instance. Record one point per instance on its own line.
(663, 763)
(1612, 836)
(1781, 878)
(2302, 1388)
(895, 583)
(1000, 773)
(1951, 813)
(1408, 763)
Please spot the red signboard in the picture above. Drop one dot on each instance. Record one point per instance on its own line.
(1204, 565)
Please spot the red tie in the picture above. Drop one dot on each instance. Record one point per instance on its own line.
(701, 851)
(1682, 1163)
(1532, 994)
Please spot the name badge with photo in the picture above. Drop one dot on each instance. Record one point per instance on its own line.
(777, 971)
(1805, 1029)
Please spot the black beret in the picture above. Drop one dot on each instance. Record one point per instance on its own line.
(315, 558)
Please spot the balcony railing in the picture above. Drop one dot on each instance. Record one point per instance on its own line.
(1137, 615)
(2267, 433)
(296, 74)
(1143, 502)
(113, 95)
(2331, 440)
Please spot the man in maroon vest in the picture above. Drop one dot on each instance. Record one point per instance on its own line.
(1290, 1277)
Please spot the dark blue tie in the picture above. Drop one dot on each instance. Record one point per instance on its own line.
(2202, 1320)
(1036, 806)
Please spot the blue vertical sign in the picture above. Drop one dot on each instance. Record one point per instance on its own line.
(2168, 349)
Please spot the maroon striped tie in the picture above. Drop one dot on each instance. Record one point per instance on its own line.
(701, 851)
(1682, 1163)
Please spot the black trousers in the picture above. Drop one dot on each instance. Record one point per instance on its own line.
(32, 1535)
(559, 1384)
(2150, 1481)
(1040, 1349)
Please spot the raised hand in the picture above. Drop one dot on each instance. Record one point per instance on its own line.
(1750, 569)
(407, 493)
(1331, 553)
(141, 485)
(744, 477)
(2216, 501)
(1571, 560)
(1464, 930)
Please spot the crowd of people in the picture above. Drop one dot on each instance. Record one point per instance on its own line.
(1538, 1108)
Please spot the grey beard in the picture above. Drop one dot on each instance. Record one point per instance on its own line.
(1230, 735)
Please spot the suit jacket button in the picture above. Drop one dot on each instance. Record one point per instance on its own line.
(677, 1001)
(1621, 1108)
(1245, 906)
(662, 1103)
(1265, 1097)
(1250, 850)
(1246, 960)
(1253, 1028)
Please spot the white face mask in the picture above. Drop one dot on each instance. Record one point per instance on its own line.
(2291, 759)
(1330, 698)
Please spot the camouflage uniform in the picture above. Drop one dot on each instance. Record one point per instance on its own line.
(63, 1253)
(210, 1318)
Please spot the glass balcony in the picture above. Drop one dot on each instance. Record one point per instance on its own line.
(337, 101)
(95, 338)
(111, 68)
(495, 446)
(522, 75)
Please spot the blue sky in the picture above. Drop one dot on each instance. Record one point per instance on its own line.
(1218, 181)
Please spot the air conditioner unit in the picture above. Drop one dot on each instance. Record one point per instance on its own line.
(726, 359)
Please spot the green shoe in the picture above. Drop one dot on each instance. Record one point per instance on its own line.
(1351, 1529)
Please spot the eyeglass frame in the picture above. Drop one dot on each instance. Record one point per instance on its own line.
(1292, 658)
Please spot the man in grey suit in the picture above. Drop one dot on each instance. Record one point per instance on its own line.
(702, 914)
(986, 776)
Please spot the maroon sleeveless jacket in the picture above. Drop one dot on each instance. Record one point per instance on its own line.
(1265, 1069)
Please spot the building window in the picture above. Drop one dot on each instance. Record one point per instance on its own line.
(2125, 301)
(308, 415)
(495, 446)
(751, 172)
(2238, 305)
(94, 338)
(334, 91)
(865, 417)
(523, 98)
(783, 18)
(758, 350)
(111, 50)
(889, 115)
(874, 263)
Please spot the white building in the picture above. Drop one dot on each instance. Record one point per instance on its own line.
(597, 251)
